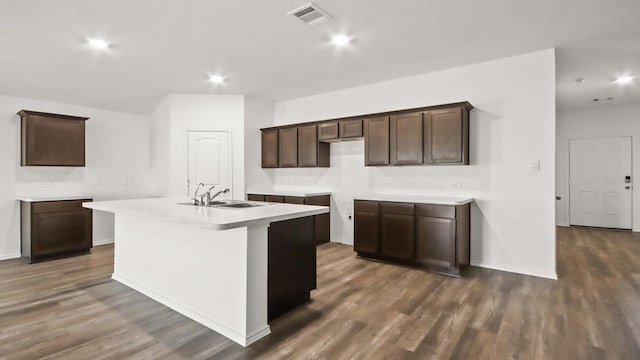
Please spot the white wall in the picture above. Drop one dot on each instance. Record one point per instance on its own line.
(258, 113)
(610, 121)
(116, 150)
(171, 120)
(513, 124)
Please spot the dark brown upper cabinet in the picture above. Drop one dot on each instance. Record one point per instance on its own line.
(376, 141)
(328, 131)
(311, 153)
(269, 148)
(434, 135)
(52, 139)
(350, 129)
(288, 147)
(406, 139)
(446, 136)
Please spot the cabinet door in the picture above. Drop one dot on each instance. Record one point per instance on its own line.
(376, 141)
(308, 146)
(328, 131)
(60, 227)
(446, 136)
(52, 140)
(350, 129)
(322, 222)
(288, 147)
(255, 197)
(397, 231)
(294, 200)
(406, 139)
(274, 198)
(270, 148)
(435, 242)
(366, 227)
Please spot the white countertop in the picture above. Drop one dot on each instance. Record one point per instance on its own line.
(52, 198)
(420, 199)
(216, 218)
(300, 193)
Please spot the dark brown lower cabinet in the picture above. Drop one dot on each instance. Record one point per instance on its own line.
(52, 229)
(322, 222)
(397, 230)
(366, 227)
(433, 237)
(291, 265)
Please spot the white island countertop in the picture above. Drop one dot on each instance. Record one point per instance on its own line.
(418, 199)
(53, 198)
(210, 217)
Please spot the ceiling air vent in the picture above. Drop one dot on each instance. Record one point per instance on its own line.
(310, 14)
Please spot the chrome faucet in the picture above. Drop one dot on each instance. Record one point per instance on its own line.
(195, 196)
(210, 198)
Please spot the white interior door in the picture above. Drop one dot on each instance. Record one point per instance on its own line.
(600, 187)
(209, 161)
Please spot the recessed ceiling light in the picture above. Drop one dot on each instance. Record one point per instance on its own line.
(340, 40)
(98, 43)
(217, 79)
(624, 79)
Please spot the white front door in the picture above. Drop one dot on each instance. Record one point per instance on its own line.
(209, 161)
(600, 184)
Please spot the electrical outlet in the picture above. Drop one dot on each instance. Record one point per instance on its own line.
(349, 210)
(44, 184)
(456, 184)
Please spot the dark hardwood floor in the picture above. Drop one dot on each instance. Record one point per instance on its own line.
(71, 309)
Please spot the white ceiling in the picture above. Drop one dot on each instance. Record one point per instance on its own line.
(163, 46)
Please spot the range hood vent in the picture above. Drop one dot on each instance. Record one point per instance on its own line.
(310, 14)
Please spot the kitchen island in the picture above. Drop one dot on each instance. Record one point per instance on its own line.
(212, 264)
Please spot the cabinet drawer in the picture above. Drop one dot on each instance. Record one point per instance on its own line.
(57, 206)
(274, 198)
(255, 197)
(441, 211)
(294, 200)
(322, 200)
(366, 206)
(397, 208)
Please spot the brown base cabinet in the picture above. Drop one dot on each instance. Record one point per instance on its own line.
(433, 237)
(53, 229)
(321, 223)
(291, 273)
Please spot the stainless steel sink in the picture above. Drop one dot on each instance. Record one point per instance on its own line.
(228, 204)
(239, 205)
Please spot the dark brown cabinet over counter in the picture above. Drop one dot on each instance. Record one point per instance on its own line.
(434, 135)
(376, 141)
(269, 148)
(321, 223)
(52, 139)
(429, 236)
(52, 229)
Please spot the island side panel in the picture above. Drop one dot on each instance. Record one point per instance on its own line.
(199, 272)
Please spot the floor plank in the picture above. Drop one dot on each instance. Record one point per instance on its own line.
(71, 309)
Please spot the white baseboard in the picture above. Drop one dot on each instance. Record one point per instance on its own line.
(523, 271)
(194, 315)
(102, 242)
(9, 256)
